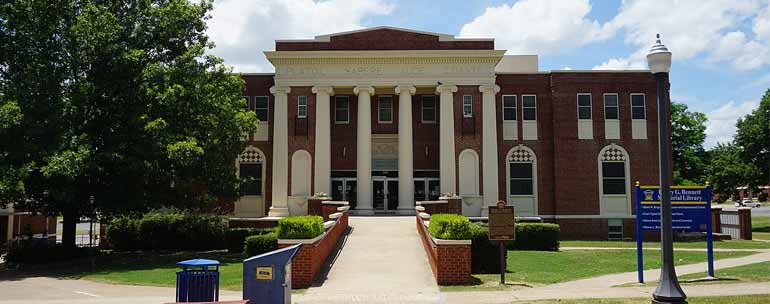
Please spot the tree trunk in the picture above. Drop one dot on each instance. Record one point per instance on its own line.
(69, 228)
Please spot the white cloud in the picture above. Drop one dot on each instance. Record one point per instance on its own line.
(541, 27)
(243, 29)
(720, 127)
(630, 63)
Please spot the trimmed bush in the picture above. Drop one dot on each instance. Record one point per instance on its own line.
(258, 244)
(122, 233)
(235, 237)
(300, 227)
(175, 231)
(485, 255)
(449, 227)
(536, 236)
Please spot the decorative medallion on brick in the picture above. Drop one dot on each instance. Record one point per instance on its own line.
(251, 155)
(521, 155)
(613, 154)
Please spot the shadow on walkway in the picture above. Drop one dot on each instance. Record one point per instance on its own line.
(332, 258)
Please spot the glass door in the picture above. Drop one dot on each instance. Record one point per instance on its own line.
(392, 194)
(378, 194)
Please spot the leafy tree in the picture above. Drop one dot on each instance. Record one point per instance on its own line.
(726, 170)
(114, 107)
(688, 131)
(753, 137)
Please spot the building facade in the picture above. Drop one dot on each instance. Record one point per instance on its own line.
(384, 117)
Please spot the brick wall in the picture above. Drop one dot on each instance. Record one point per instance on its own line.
(451, 264)
(299, 140)
(259, 85)
(384, 39)
(35, 224)
(309, 259)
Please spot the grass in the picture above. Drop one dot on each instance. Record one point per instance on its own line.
(546, 267)
(760, 228)
(747, 299)
(758, 272)
(727, 244)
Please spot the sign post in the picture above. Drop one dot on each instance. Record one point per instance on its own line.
(690, 210)
(502, 228)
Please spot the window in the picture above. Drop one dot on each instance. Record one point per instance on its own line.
(529, 107)
(261, 107)
(521, 178)
(610, 106)
(509, 107)
(428, 108)
(467, 106)
(252, 175)
(245, 102)
(615, 229)
(385, 109)
(302, 106)
(637, 106)
(341, 109)
(614, 177)
(584, 106)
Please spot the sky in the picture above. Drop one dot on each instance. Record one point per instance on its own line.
(721, 48)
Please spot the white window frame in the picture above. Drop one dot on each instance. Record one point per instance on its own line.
(380, 108)
(525, 107)
(422, 109)
(604, 102)
(266, 108)
(590, 106)
(644, 105)
(301, 107)
(347, 108)
(469, 114)
(515, 107)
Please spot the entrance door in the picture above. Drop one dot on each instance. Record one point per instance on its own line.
(379, 194)
(385, 193)
(392, 196)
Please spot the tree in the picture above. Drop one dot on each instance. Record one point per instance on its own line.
(114, 107)
(726, 170)
(688, 131)
(753, 137)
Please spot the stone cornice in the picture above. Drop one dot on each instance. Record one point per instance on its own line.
(413, 60)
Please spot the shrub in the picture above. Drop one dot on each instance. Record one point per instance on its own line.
(300, 227)
(258, 244)
(235, 237)
(122, 233)
(485, 255)
(175, 231)
(43, 252)
(536, 236)
(449, 227)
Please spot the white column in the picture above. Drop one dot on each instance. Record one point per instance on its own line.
(280, 198)
(447, 138)
(405, 151)
(323, 161)
(364, 149)
(10, 225)
(489, 144)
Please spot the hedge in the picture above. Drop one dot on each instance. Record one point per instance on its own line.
(449, 226)
(485, 254)
(43, 252)
(258, 244)
(300, 227)
(175, 231)
(536, 236)
(235, 237)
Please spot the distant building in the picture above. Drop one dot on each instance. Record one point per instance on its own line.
(17, 223)
(384, 117)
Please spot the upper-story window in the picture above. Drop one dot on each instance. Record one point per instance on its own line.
(467, 106)
(637, 106)
(428, 108)
(261, 107)
(302, 106)
(529, 107)
(610, 106)
(613, 177)
(509, 107)
(385, 109)
(584, 106)
(341, 109)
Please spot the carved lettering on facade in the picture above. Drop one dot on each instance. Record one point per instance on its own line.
(464, 69)
(301, 70)
(364, 70)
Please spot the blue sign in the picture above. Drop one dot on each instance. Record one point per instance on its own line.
(690, 210)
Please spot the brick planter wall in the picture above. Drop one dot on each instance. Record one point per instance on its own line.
(308, 261)
(453, 205)
(451, 263)
(314, 206)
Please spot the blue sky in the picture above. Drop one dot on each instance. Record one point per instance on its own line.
(721, 48)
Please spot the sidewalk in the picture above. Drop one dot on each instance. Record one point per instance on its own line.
(382, 262)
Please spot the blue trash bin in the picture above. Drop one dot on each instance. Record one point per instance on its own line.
(198, 281)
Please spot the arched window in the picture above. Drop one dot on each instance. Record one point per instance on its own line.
(614, 185)
(300, 173)
(469, 172)
(522, 179)
(250, 166)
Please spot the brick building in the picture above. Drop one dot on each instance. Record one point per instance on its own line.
(562, 145)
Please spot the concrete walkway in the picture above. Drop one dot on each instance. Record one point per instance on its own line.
(382, 262)
(602, 286)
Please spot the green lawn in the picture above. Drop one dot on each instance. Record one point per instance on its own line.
(546, 267)
(731, 244)
(750, 299)
(758, 272)
(760, 228)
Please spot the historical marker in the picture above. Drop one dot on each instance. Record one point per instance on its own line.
(502, 227)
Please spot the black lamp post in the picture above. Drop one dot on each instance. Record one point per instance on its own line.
(668, 291)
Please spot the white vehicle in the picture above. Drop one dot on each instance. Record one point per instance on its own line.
(748, 203)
